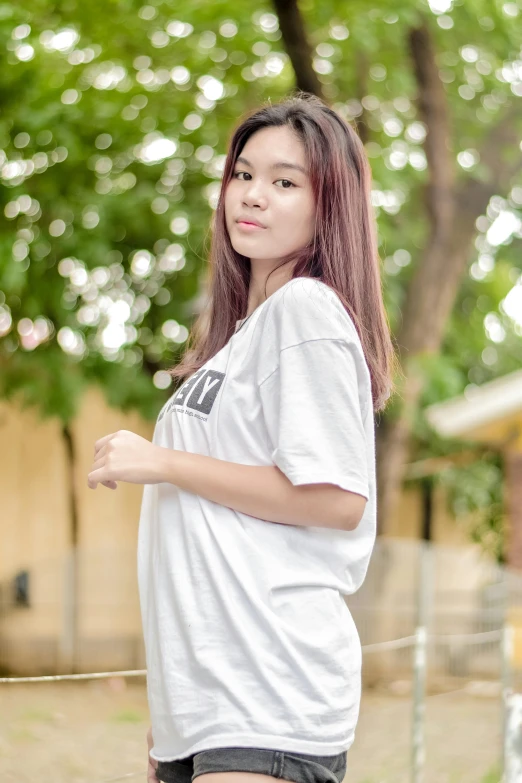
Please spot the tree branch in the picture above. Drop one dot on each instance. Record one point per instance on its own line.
(297, 46)
(433, 110)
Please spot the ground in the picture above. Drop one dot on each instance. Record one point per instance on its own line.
(95, 731)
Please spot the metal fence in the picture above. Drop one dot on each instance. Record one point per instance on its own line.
(427, 615)
(81, 613)
(460, 596)
(432, 614)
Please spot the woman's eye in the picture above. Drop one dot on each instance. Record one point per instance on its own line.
(237, 173)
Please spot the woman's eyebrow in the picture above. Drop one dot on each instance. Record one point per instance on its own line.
(279, 165)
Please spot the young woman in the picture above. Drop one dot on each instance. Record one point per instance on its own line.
(259, 504)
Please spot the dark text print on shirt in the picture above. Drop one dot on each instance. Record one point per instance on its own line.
(198, 393)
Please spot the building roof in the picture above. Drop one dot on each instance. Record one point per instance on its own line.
(483, 412)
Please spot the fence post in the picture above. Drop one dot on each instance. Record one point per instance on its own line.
(424, 589)
(510, 724)
(511, 703)
(68, 640)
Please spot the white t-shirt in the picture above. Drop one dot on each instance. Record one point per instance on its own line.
(248, 639)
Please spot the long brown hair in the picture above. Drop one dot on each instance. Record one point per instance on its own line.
(343, 253)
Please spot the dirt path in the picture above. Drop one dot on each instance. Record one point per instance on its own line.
(95, 731)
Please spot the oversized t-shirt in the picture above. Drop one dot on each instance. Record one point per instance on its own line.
(248, 639)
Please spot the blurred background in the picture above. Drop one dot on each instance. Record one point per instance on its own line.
(114, 124)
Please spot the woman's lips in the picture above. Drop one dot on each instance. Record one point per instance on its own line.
(249, 226)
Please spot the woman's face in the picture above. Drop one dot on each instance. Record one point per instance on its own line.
(277, 196)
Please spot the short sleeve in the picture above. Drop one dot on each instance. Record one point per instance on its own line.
(312, 409)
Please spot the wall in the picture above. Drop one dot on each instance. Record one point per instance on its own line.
(104, 630)
(35, 530)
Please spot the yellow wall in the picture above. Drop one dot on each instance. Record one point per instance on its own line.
(406, 520)
(34, 504)
(35, 534)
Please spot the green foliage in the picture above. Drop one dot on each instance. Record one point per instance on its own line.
(494, 775)
(38, 714)
(475, 494)
(128, 716)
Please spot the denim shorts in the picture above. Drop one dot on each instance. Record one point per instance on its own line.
(297, 767)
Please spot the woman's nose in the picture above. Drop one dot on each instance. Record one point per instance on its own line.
(255, 194)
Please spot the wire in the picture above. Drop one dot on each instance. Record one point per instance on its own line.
(90, 676)
(393, 644)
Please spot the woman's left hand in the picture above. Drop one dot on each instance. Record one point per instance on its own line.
(125, 456)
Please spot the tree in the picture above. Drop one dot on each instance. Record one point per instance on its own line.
(476, 109)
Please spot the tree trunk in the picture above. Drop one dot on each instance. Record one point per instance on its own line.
(69, 649)
(430, 297)
(297, 46)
